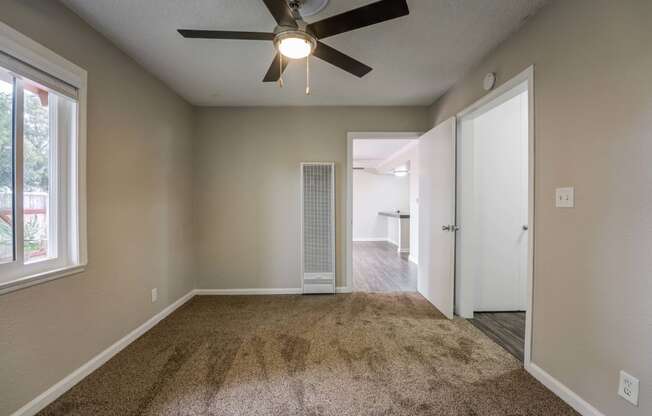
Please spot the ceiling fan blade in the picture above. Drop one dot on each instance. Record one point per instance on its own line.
(281, 12)
(355, 19)
(340, 60)
(274, 71)
(225, 34)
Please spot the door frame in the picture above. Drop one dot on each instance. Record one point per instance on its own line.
(348, 226)
(525, 77)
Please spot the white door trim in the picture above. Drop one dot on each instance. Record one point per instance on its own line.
(527, 76)
(350, 136)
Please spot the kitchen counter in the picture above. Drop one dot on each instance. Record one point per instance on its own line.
(398, 229)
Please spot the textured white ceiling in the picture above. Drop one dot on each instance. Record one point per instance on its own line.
(415, 58)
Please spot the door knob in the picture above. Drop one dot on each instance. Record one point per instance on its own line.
(445, 227)
(525, 228)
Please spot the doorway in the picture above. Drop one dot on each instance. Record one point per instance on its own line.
(382, 232)
(494, 215)
(445, 278)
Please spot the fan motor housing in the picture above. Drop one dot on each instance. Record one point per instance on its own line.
(308, 7)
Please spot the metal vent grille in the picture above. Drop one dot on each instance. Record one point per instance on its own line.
(318, 226)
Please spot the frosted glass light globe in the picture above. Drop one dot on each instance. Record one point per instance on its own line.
(295, 48)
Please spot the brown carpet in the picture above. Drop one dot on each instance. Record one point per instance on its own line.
(358, 354)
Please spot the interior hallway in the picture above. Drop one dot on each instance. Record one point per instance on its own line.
(378, 267)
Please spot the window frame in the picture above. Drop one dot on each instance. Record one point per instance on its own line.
(71, 181)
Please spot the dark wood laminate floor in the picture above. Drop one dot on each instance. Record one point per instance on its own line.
(507, 329)
(378, 267)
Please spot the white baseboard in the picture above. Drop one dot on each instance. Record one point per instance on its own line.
(54, 392)
(262, 291)
(413, 259)
(291, 291)
(369, 239)
(570, 397)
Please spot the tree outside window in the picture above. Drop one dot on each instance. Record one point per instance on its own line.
(36, 171)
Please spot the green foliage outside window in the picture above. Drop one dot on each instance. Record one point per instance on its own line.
(35, 147)
(36, 161)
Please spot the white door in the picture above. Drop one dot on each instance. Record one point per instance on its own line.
(493, 181)
(500, 138)
(437, 216)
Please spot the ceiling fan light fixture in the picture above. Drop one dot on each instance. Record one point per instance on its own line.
(294, 38)
(295, 44)
(294, 48)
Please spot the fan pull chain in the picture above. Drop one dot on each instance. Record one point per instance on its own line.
(308, 75)
(280, 70)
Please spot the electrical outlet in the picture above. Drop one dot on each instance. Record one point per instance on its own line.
(154, 295)
(565, 198)
(628, 388)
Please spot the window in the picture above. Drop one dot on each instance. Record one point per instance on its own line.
(41, 165)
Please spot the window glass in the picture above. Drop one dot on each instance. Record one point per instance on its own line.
(6, 168)
(37, 199)
(41, 169)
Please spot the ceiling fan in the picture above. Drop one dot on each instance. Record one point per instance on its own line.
(296, 39)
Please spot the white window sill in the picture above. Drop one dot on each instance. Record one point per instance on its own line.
(39, 278)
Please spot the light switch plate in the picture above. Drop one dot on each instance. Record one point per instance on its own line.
(628, 388)
(565, 198)
(154, 295)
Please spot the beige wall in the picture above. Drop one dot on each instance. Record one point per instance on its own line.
(373, 193)
(139, 213)
(247, 185)
(593, 273)
(593, 279)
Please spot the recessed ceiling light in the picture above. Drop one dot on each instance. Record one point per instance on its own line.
(400, 172)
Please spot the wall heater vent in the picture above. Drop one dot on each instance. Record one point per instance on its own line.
(318, 227)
